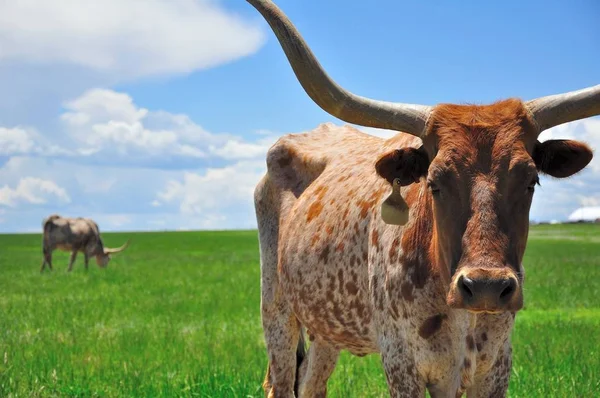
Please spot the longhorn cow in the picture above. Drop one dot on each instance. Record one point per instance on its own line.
(410, 247)
(75, 235)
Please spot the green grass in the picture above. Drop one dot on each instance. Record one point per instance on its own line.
(177, 314)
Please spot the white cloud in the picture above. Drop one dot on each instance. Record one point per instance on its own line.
(131, 38)
(106, 127)
(15, 141)
(105, 124)
(106, 120)
(216, 189)
(34, 191)
(235, 149)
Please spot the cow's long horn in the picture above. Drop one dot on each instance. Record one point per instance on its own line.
(557, 109)
(109, 250)
(327, 94)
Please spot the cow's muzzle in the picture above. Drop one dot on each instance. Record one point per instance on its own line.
(486, 290)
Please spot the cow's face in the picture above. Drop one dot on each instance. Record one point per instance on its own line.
(480, 166)
(102, 260)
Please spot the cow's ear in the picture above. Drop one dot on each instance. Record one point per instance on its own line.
(561, 158)
(400, 167)
(407, 165)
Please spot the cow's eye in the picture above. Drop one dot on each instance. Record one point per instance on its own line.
(533, 183)
(433, 187)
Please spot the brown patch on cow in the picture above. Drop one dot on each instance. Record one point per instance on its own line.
(484, 336)
(479, 346)
(365, 207)
(314, 210)
(329, 229)
(375, 238)
(394, 250)
(431, 326)
(470, 343)
(339, 247)
(407, 292)
(324, 256)
(483, 357)
(351, 288)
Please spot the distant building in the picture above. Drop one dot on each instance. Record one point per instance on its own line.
(585, 214)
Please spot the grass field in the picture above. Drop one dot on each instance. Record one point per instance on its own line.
(177, 314)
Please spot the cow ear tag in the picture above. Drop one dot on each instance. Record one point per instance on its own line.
(394, 209)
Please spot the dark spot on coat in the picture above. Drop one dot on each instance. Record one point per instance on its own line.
(470, 343)
(324, 256)
(351, 288)
(407, 292)
(431, 326)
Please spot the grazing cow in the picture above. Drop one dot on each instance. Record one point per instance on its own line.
(409, 247)
(75, 235)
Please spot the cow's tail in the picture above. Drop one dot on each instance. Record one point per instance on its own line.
(300, 355)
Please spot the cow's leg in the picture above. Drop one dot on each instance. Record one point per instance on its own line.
(47, 259)
(43, 263)
(86, 260)
(72, 260)
(495, 382)
(282, 332)
(280, 326)
(316, 369)
(400, 370)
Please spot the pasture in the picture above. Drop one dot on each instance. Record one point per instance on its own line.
(177, 314)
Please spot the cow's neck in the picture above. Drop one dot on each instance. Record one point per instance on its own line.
(420, 246)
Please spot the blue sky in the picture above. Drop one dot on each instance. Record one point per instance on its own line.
(157, 115)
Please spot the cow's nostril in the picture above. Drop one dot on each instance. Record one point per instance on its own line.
(466, 286)
(509, 289)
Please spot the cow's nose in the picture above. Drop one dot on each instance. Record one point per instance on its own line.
(486, 293)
